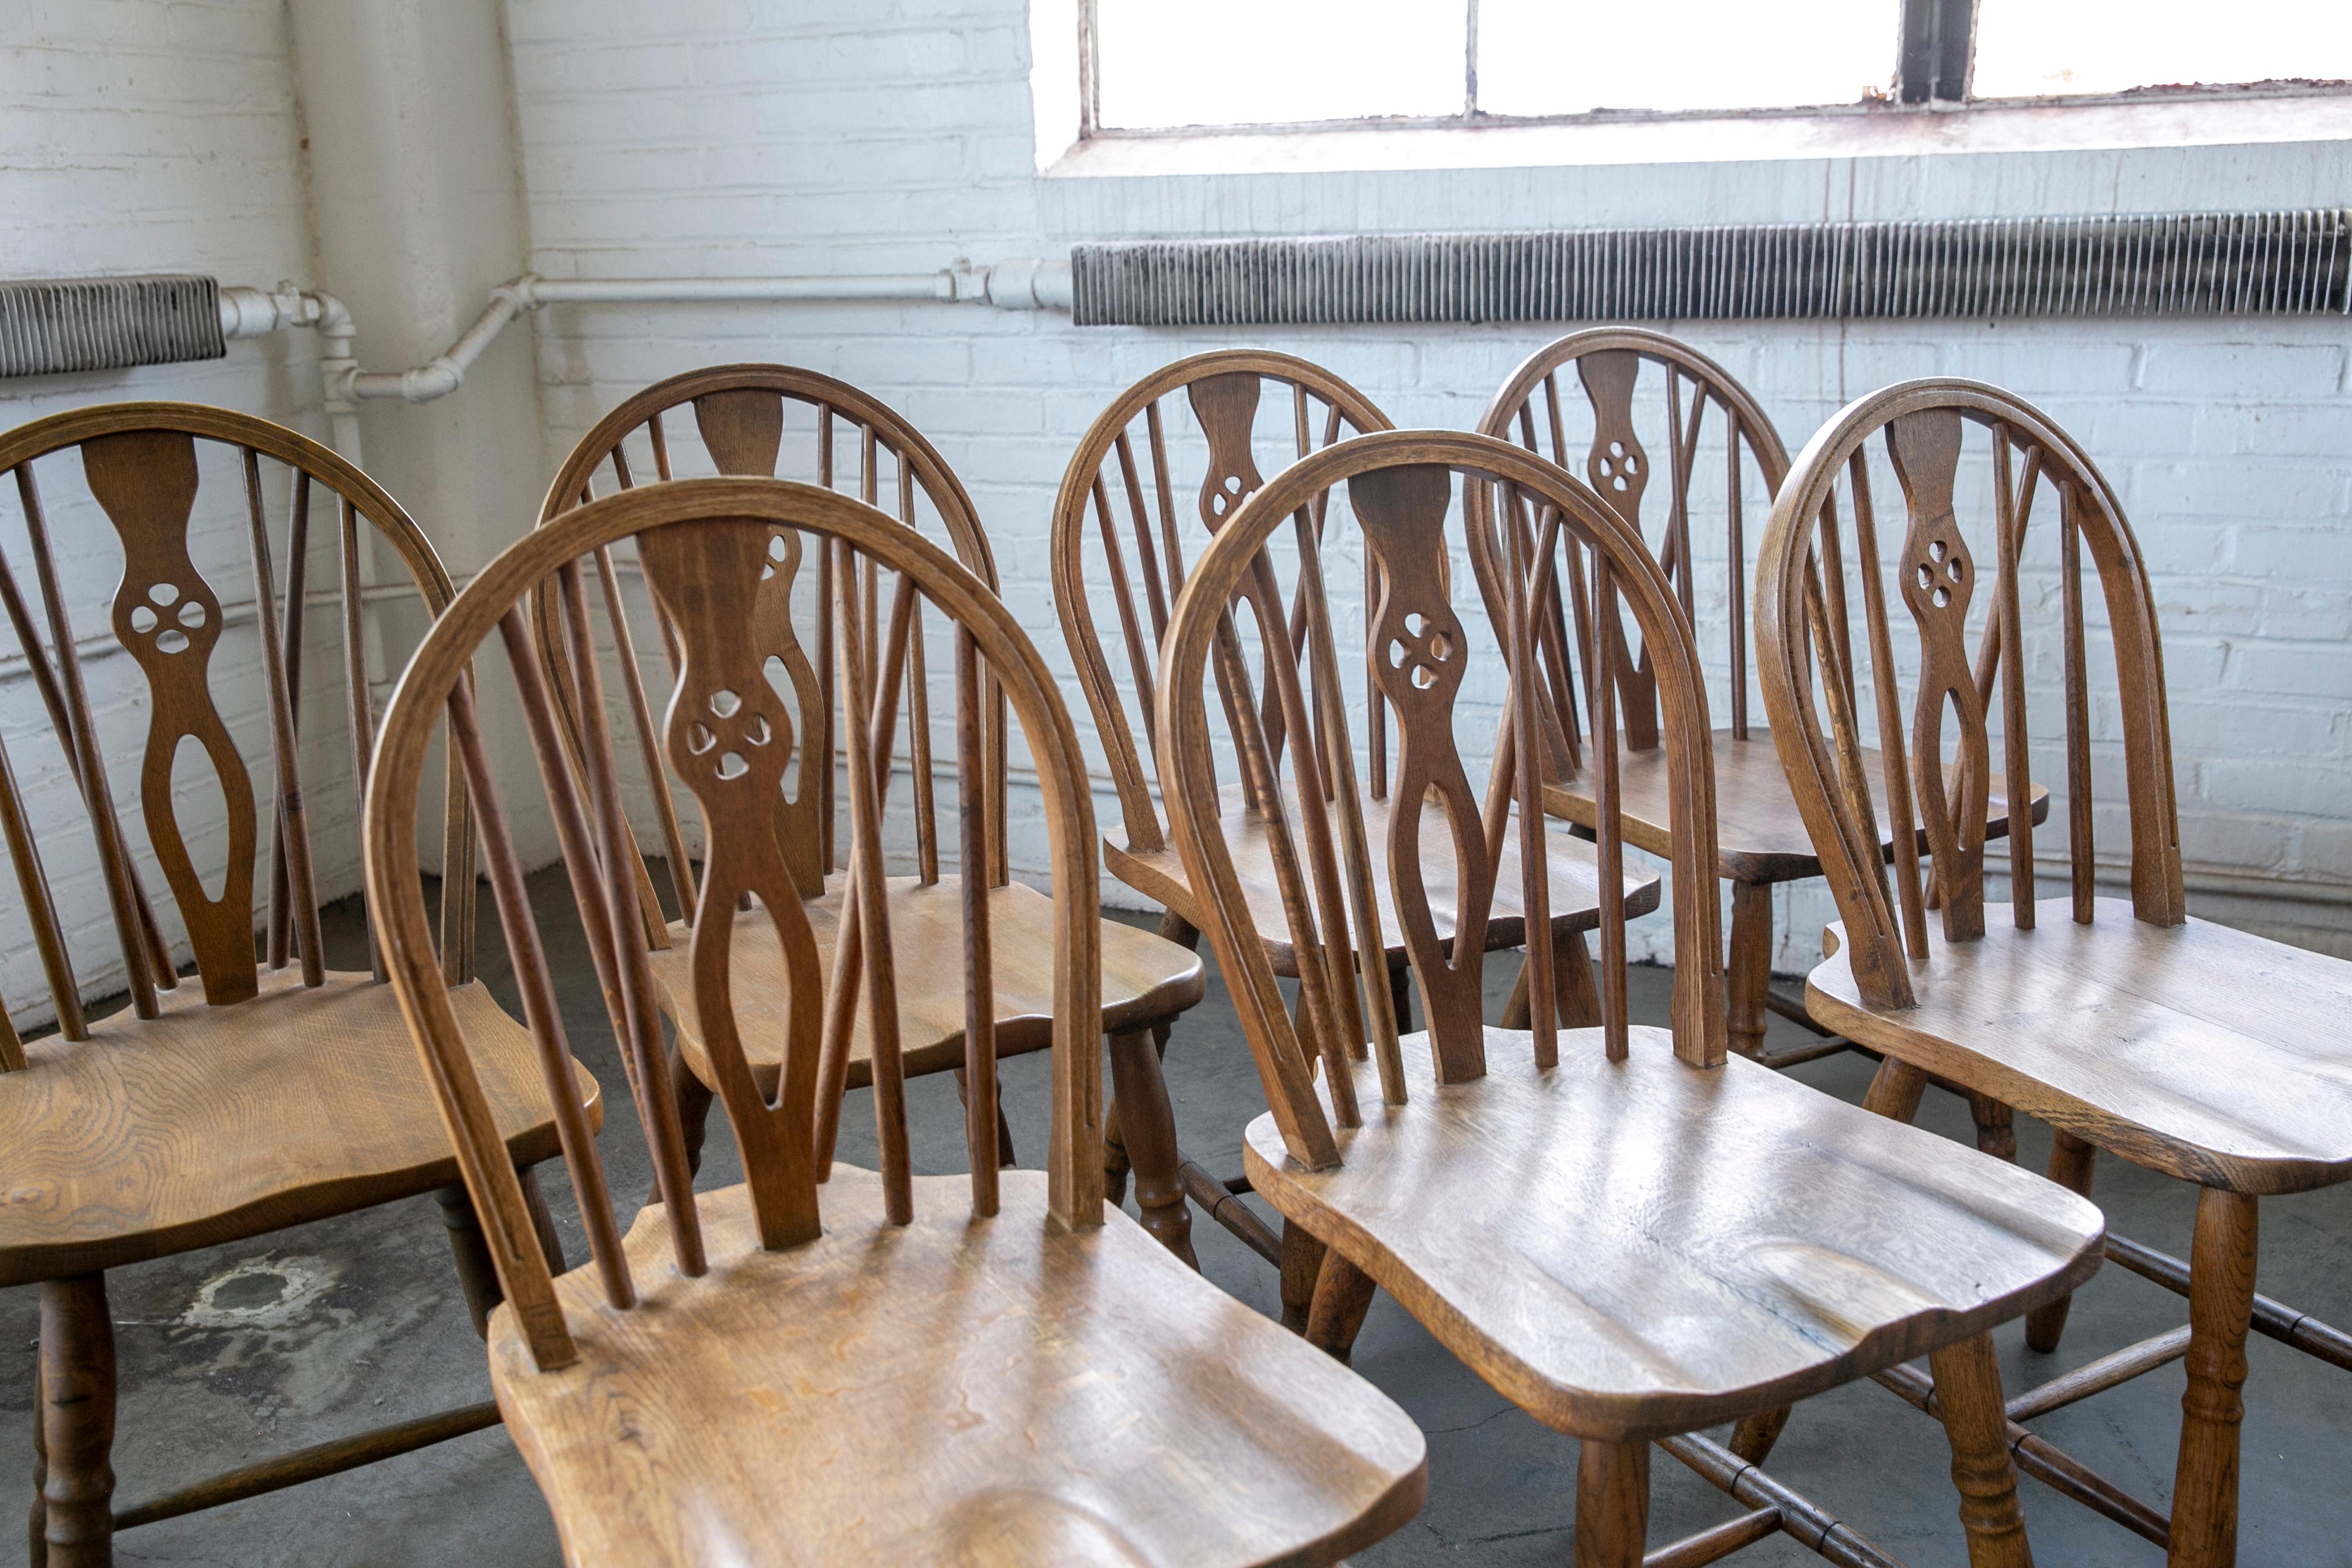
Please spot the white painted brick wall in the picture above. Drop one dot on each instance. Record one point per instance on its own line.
(153, 135)
(713, 137)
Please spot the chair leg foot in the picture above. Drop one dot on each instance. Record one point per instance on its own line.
(1148, 1128)
(1750, 974)
(2070, 1161)
(1302, 1263)
(1613, 1503)
(1343, 1294)
(1969, 1398)
(2221, 1305)
(37, 1527)
(477, 1276)
(77, 1416)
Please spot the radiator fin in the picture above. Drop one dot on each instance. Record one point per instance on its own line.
(50, 326)
(2184, 264)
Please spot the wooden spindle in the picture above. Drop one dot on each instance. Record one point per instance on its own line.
(1833, 560)
(1138, 662)
(355, 684)
(919, 747)
(1610, 837)
(618, 858)
(12, 1059)
(1163, 494)
(542, 1016)
(33, 882)
(1902, 829)
(293, 819)
(80, 735)
(641, 718)
(1534, 863)
(2081, 848)
(298, 557)
(1157, 595)
(829, 744)
(660, 440)
(1737, 544)
(1682, 449)
(979, 952)
(2019, 787)
(874, 916)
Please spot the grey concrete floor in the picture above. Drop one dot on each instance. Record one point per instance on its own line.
(240, 1352)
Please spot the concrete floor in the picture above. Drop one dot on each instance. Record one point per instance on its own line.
(232, 1355)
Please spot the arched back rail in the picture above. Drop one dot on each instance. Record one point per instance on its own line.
(1150, 484)
(728, 734)
(1405, 490)
(182, 484)
(1970, 460)
(750, 420)
(1633, 380)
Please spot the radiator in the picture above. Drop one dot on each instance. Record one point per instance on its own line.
(49, 326)
(2183, 264)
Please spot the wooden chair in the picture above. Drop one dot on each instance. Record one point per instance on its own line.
(1763, 840)
(739, 413)
(1626, 1231)
(2182, 1047)
(1226, 391)
(876, 1367)
(285, 1092)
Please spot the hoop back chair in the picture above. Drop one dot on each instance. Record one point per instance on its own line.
(1309, 409)
(2200, 1052)
(1625, 1229)
(285, 1092)
(1763, 839)
(748, 419)
(1018, 1358)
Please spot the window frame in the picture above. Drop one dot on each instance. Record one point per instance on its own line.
(1932, 69)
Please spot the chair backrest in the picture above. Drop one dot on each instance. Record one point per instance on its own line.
(1226, 392)
(731, 735)
(139, 464)
(2017, 456)
(1743, 455)
(746, 419)
(1402, 489)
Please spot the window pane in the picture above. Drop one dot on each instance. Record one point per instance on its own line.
(2030, 49)
(1244, 62)
(1570, 57)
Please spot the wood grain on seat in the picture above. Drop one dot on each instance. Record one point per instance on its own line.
(1637, 1249)
(2200, 1051)
(209, 1123)
(1763, 837)
(994, 1391)
(1575, 881)
(1145, 979)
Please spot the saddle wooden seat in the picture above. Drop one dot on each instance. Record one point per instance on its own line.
(826, 1365)
(1144, 978)
(209, 1124)
(954, 1390)
(1763, 840)
(1630, 1233)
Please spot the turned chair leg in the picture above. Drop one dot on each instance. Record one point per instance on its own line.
(477, 1276)
(1148, 1129)
(1753, 1438)
(2071, 1161)
(1613, 1503)
(2220, 1304)
(1302, 1264)
(1400, 997)
(1996, 1126)
(1343, 1294)
(1117, 1161)
(1749, 975)
(1969, 1398)
(694, 1098)
(77, 1418)
(37, 1528)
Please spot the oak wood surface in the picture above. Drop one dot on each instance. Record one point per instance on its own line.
(213, 1123)
(1574, 875)
(1573, 1237)
(1146, 979)
(990, 1392)
(2204, 1052)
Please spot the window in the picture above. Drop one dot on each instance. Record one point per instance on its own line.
(1160, 65)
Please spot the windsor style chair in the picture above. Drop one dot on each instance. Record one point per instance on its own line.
(1630, 1233)
(741, 414)
(2182, 1047)
(286, 1092)
(869, 1366)
(1763, 839)
(1311, 408)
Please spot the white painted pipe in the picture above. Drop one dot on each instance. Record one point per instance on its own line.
(1024, 284)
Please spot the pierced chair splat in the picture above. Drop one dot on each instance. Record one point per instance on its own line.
(2185, 1047)
(1628, 1231)
(1157, 478)
(850, 1366)
(275, 1090)
(750, 420)
(1719, 456)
